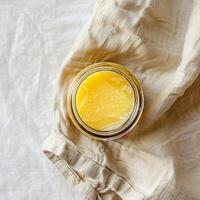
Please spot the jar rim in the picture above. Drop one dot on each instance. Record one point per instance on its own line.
(135, 113)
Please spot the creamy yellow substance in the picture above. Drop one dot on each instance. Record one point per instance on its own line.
(104, 100)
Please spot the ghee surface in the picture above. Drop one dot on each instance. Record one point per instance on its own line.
(104, 100)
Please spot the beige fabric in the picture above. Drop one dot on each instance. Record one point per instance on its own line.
(159, 42)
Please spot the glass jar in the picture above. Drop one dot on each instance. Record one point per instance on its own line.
(133, 116)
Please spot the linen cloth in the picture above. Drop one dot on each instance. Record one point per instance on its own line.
(159, 42)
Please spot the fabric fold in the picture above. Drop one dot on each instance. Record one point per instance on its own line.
(86, 174)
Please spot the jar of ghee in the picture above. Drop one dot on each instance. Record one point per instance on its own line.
(105, 101)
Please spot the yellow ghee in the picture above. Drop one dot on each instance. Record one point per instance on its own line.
(104, 100)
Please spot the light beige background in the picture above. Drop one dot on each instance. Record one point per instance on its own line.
(35, 36)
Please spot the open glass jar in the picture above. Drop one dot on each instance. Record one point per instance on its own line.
(105, 101)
